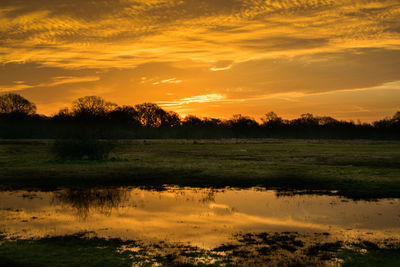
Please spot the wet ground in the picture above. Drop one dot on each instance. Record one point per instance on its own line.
(212, 226)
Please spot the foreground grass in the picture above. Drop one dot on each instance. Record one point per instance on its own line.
(253, 249)
(379, 257)
(79, 250)
(370, 255)
(63, 251)
(356, 169)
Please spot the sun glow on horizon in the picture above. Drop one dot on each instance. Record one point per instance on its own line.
(210, 57)
(194, 99)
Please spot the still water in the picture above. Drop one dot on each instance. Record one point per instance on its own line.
(205, 218)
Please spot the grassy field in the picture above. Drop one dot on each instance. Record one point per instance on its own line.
(254, 250)
(356, 168)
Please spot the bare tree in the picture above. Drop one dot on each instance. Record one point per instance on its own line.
(91, 106)
(270, 117)
(150, 115)
(241, 121)
(16, 104)
(396, 117)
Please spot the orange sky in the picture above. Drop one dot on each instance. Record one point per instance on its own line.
(206, 57)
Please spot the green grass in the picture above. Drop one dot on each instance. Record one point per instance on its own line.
(81, 250)
(369, 254)
(382, 258)
(63, 251)
(357, 169)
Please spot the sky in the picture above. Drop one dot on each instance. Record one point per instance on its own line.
(211, 58)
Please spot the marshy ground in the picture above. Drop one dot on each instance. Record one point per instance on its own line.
(354, 168)
(333, 203)
(195, 227)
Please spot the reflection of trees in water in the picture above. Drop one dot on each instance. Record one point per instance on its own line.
(201, 195)
(105, 200)
(209, 196)
(88, 200)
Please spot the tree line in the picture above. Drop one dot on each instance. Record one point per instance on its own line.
(92, 115)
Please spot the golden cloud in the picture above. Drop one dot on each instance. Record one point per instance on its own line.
(140, 31)
(238, 49)
(194, 99)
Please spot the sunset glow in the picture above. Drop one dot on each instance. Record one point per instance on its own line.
(211, 58)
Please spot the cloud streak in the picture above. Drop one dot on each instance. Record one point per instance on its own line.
(170, 80)
(169, 30)
(239, 49)
(193, 99)
(56, 81)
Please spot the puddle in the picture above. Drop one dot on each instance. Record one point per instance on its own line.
(205, 218)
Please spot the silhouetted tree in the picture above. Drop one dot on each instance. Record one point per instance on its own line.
(125, 114)
(388, 122)
(63, 114)
(91, 106)
(16, 104)
(270, 116)
(240, 121)
(82, 129)
(326, 121)
(192, 121)
(396, 117)
(150, 114)
(271, 119)
(306, 120)
(171, 119)
(212, 122)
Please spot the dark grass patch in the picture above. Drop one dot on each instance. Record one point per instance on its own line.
(78, 149)
(226, 247)
(278, 249)
(325, 251)
(83, 250)
(370, 254)
(73, 250)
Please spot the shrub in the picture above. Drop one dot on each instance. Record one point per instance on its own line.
(92, 149)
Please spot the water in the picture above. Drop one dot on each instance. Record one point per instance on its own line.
(192, 225)
(202, 218)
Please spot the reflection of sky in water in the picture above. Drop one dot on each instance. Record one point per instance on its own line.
(202, 217)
